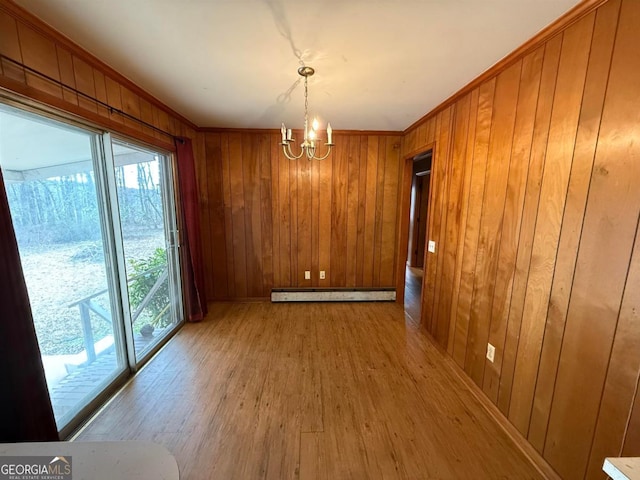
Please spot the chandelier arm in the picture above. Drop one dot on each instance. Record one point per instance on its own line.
(286, 148)
(326, 154)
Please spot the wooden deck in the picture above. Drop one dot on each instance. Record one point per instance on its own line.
(85, 381)
(310, 391)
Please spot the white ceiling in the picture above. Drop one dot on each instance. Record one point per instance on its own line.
(380, 64)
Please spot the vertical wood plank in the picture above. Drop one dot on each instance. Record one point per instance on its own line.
(516, 185)
(431, 259)
(353, 177)
(85, 82)
(497, 174)
(146, 114)
(274, 161)
(440, 214)
(622, 375)
(529, 213)
(603, 259)
(390, 213)
(338, 211)
(362, 204)
(65, 65)
(265, 218)
(562, 135)
(316, 202)
(588, 129)
(370, 211)
(454, 207)
(251, 145)
(296, 278)
(114, 99)
(216, 218)
(9, 40)
(204, 201)
(472, 232)
(284, 221)
(236, 176)
(304, 221)
(39, 53)
(100, 84)
(325, 202)
(464, 218)
(228, 213)
(131, 106)
(10, 47)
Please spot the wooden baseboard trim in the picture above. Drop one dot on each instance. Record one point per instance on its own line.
(512, 432)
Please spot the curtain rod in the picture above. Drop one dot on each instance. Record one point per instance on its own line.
(89, 97)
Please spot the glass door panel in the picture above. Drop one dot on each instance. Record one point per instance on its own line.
(56, 203)
(146, 216)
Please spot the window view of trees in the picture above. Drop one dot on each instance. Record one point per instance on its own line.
(63, 209)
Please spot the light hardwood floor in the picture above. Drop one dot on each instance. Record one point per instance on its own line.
(412, 291)
(309, 391)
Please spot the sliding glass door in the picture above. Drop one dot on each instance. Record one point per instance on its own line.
(54, 192)
(96, 229)
(143, 183)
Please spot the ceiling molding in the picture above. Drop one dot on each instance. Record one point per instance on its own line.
(394, 133)
(565, 21)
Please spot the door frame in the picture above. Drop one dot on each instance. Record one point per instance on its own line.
(403, 224)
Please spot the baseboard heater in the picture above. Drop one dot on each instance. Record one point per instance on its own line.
(333, 295)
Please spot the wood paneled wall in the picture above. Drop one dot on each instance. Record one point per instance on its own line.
(267, 219)
(535, 208)
(30, 42)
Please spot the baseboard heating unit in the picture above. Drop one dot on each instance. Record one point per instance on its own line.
(333, 295)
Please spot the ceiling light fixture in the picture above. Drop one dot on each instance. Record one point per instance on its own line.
(311, 137)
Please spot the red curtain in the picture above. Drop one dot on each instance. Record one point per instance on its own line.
(26, 414)
(192, 268)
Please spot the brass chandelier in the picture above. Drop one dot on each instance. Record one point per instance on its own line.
(309, 145)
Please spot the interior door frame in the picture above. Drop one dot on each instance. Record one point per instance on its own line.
(403, 224)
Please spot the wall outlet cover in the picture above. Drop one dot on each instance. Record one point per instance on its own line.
(431, 246)
(491, 352)
(307, 275)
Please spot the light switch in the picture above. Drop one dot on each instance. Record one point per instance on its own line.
(432, 246)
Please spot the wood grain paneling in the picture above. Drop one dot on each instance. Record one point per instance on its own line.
(581, 169)
(544, 260)
(553, 191)
(472, 230)
(609, 230)
(497, 174)
(516, 185)
(27, 40)
(528, 221)
(280, 215)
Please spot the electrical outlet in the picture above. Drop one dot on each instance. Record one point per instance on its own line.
(322, 275)
(307, 274)
(491, 352)
(432, 246)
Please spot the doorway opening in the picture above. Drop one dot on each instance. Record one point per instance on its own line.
(414, 270)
